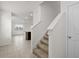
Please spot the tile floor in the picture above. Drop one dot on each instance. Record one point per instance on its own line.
(19, 48)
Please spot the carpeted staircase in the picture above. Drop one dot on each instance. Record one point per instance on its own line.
(41, 50)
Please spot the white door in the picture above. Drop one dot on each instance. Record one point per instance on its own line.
(73, 30)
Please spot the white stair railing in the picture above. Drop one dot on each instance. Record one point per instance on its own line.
(57, 41)
(55, 21)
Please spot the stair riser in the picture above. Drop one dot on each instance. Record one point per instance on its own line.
(45, 37)
(44, 43)
(46, 51)
(36, 55)
(39, 56)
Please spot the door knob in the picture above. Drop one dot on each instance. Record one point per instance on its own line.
(69, 37)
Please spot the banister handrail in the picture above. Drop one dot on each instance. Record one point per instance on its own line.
(33, 26)
(55, 21)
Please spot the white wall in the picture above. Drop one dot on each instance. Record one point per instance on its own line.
(65, 4)
(36, 15)
(5, 28)
(48, 12)
(25, 22)
(57, 39)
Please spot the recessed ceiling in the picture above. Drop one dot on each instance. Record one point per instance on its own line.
(20, 7)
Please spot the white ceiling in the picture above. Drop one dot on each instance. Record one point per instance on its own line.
(21, 8)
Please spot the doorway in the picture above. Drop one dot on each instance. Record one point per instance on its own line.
(73, 31)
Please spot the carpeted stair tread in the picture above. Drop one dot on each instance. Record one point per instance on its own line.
(43, 47)
(44, 41)
(38, 52)
(46, 36)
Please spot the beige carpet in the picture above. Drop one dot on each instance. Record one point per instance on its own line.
(41, 49)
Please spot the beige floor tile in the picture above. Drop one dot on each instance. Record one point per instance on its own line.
(20, 48)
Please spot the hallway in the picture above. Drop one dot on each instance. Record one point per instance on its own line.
(19, 48)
